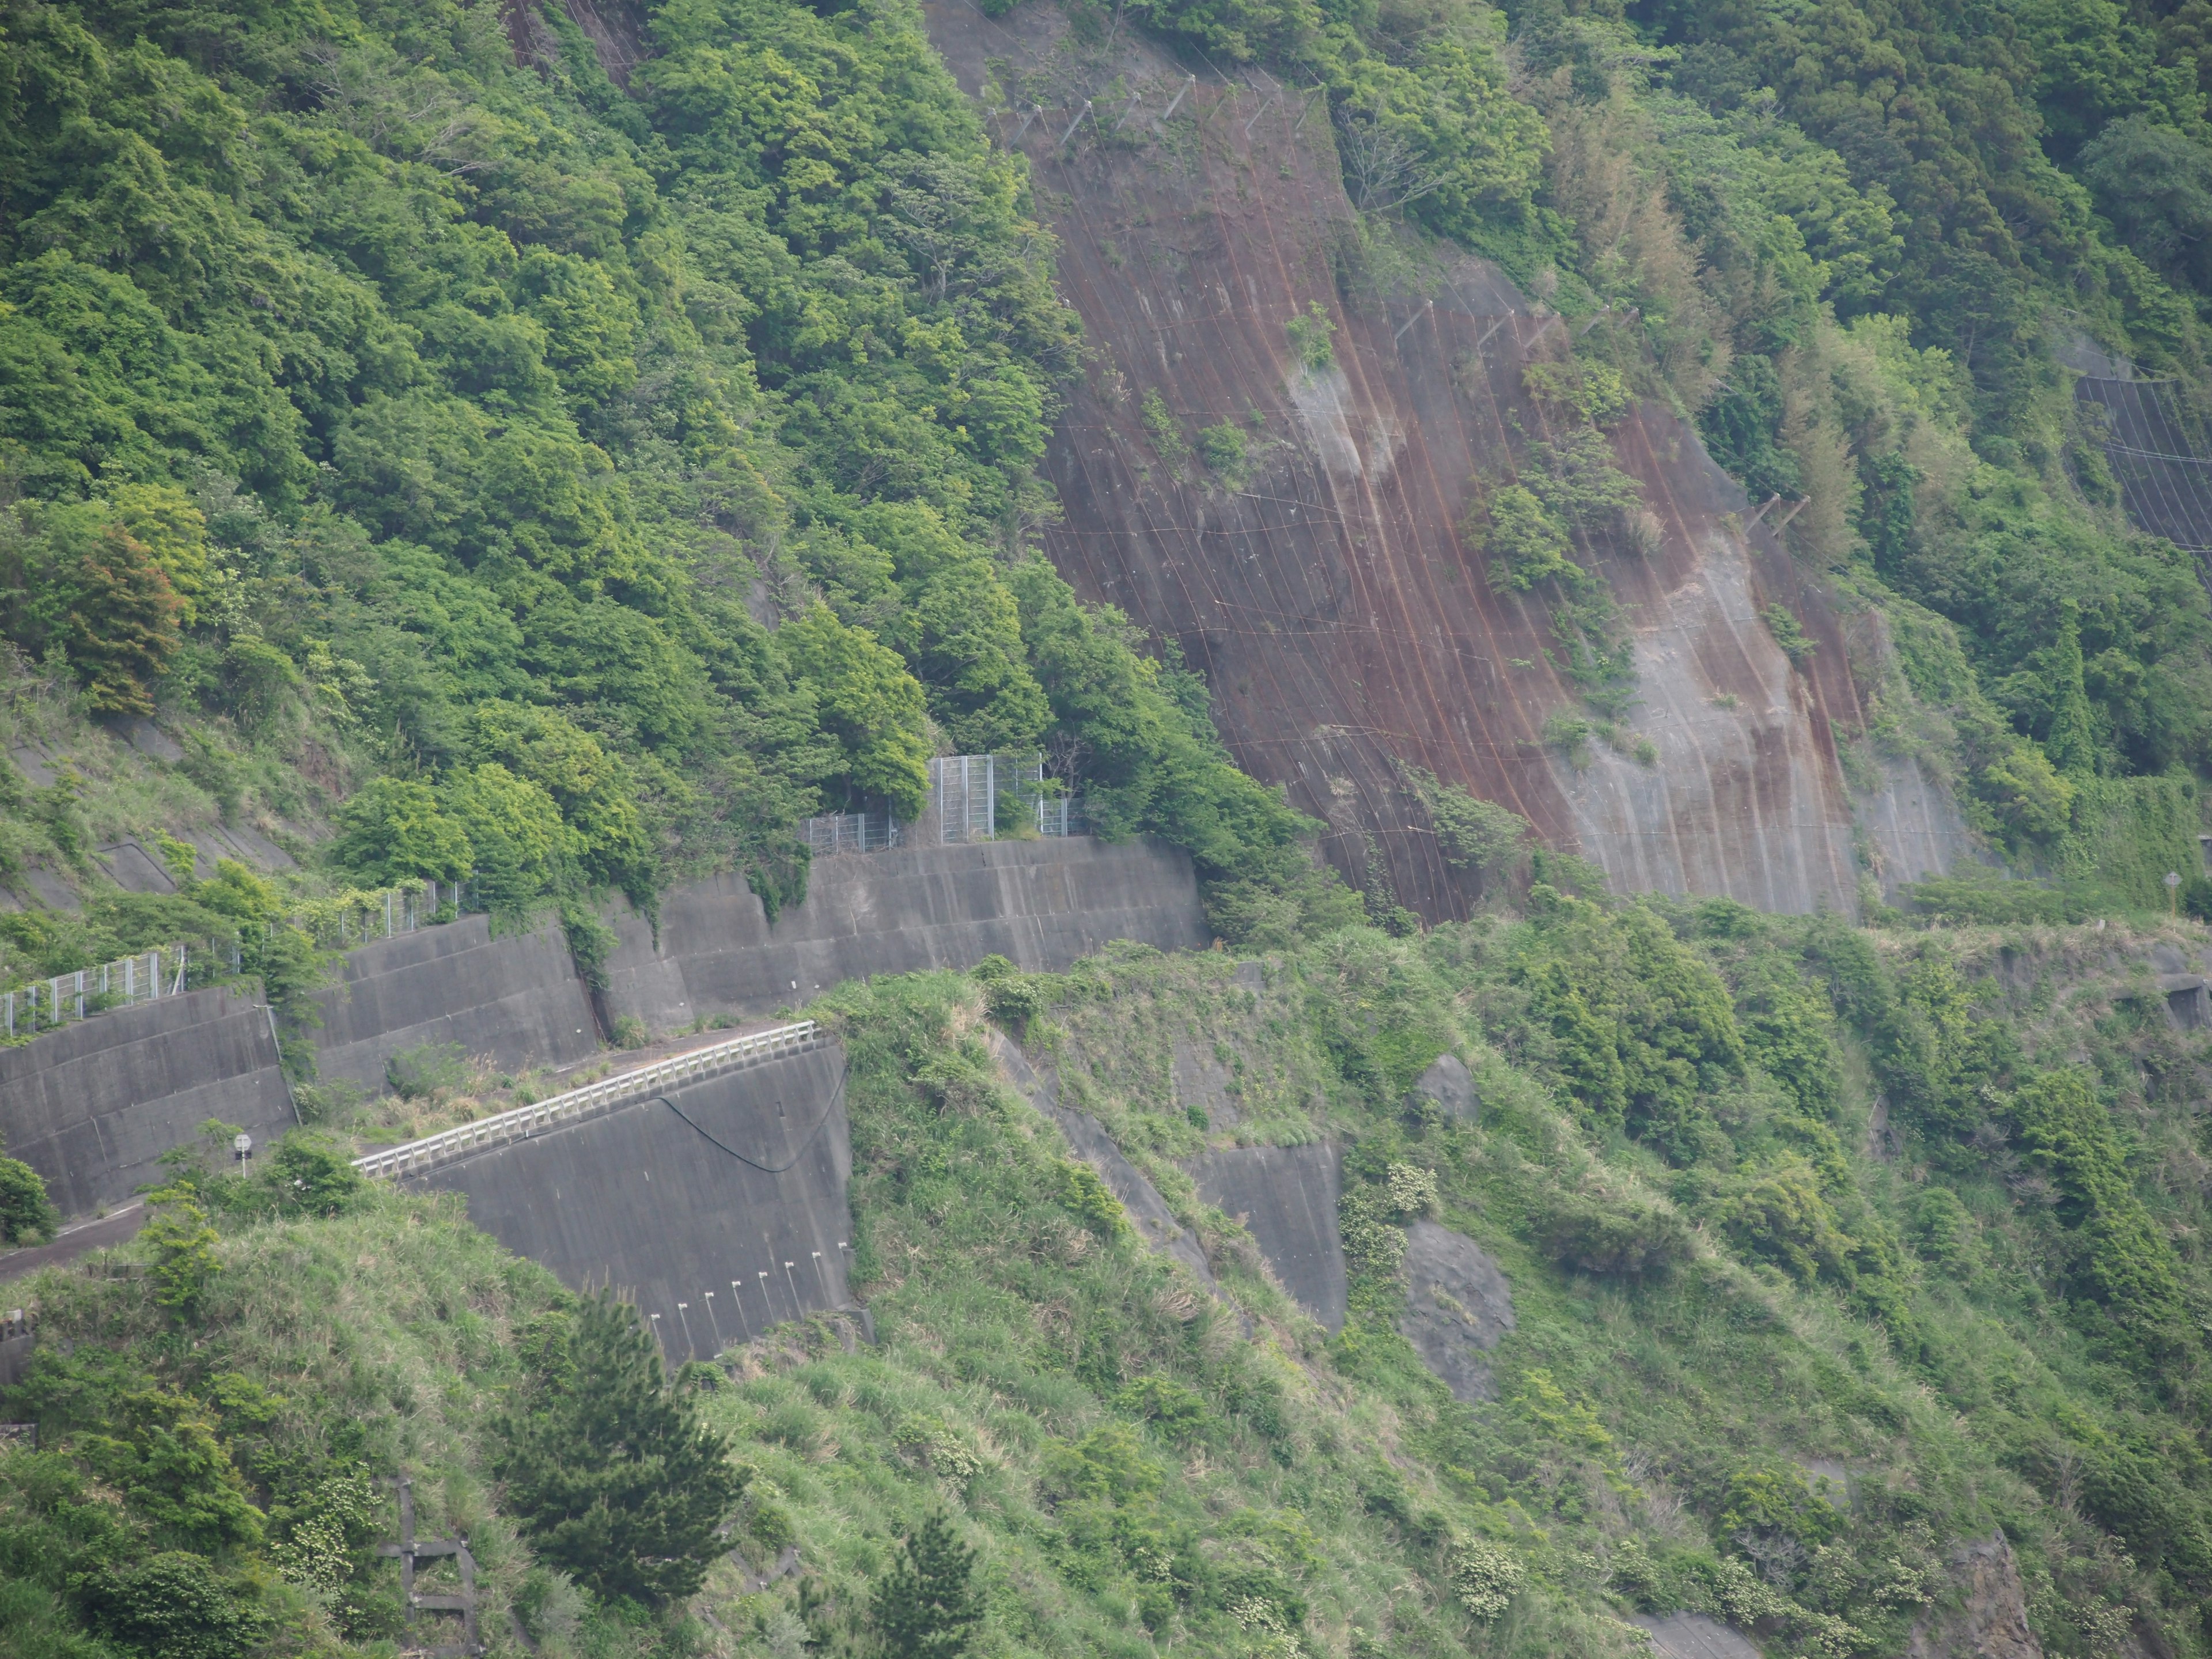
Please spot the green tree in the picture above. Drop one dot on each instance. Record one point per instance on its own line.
(393, 831)
(173, 1606)
(2154, 184)
(183, 1248)
(869, 703)
(1521, 541)
(927, 1606)
(27, 1215)
(609, 1471)
(123, 624)
(160, 1451)
(524, 852)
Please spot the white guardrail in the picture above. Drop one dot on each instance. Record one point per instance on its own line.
(524, 1122)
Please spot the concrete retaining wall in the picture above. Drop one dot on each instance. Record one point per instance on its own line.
(714, 1186)
(515, 999)
(92, 1106)
(1043, 903)
(1286, 1197)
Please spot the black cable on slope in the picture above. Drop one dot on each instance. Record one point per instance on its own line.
(836, 1095)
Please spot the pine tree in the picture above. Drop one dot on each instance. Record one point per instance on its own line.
(926, 1607)
(609, 1472)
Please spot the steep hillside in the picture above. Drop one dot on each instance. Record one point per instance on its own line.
(1780, 1277)
(1323, 581)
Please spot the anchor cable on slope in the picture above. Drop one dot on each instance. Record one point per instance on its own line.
(836, 1095)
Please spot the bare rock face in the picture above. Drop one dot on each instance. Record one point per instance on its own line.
(1447, 1082)
(1342, 623)
(1987, 1617)
(1458, 1307)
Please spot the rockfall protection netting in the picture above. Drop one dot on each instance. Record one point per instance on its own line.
(2166, 489)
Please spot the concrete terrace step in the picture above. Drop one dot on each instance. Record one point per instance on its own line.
(417, 1156)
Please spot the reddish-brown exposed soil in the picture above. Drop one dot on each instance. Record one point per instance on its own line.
(1329, 598)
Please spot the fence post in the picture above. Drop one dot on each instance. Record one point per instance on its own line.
(80, 994)
(990, 798)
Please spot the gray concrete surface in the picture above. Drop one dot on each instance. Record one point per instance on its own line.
(1694, 1636)
(79, 1239)
(1201, 1080)
(92, 1106)
(1086, 1137)
(1042, 903)
(1286, 1196)
(705, 1188)
(1458, 1308)
(1447, 1082)
(514, 999)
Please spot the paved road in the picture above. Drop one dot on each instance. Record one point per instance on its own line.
(80, 1238)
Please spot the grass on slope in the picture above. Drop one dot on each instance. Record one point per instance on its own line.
(1142, 1468)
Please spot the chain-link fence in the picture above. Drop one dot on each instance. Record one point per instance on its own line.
(971, 798)
(343, 922)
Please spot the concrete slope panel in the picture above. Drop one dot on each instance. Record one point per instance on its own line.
(513, 1000)
(1042, 903)
(1341, 620)
(92, 1106)
(1286, 1197)
(736, 1185)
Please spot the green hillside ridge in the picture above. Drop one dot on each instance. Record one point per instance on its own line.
(477, 464)
(1729, 1282)
(416, 434)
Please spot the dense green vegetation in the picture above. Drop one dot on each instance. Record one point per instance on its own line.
(484, 468)
(1829, 1252)
(421, 430)
(1852, 240)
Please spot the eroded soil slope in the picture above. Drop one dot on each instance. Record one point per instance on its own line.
(1327, 596)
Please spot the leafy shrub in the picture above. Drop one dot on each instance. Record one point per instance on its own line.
(173, 1606)
(1573, 475)
(1521, 541)
(1614, 1237)
(1374, 1242)
(1222, 447)
(1410, 1190)
(1591, 391)
(426, 1071)
(1092, 1200)
(183, 1248)
(1165, 431)
(1311, 338)
(27, 1215)
(1781, 1216)
(1473, 834)
(1485, 1576)
(1790, 633)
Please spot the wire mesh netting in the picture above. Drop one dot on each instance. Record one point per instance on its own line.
(971, 798)
(2166, 488)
